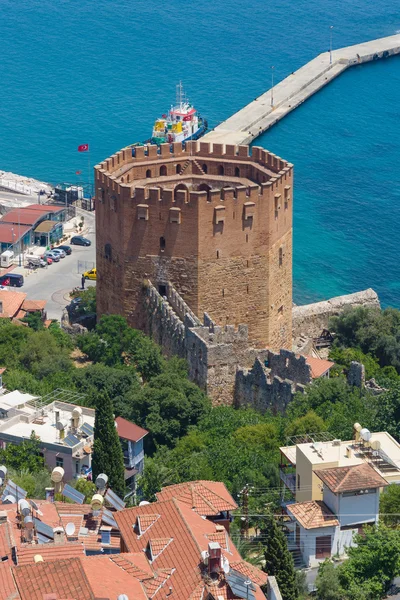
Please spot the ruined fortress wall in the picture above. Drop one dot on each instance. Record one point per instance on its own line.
(163, 325)
(311, 319)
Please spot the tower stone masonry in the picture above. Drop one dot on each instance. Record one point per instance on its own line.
(212, 220)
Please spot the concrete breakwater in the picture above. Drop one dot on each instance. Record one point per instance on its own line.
(266, 110)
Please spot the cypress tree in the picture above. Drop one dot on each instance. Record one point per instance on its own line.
(107, 451)
(279, 561)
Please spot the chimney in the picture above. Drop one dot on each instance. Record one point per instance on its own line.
(214, 560)
(59, 535)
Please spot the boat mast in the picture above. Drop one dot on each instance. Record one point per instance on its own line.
(179, 95)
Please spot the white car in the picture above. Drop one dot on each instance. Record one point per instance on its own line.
(60, 252)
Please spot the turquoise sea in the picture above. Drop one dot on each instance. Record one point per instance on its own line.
(100, 71)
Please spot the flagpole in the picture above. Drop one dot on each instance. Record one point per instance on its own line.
(90, 191)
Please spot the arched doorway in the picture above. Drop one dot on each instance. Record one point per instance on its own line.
(180, 186)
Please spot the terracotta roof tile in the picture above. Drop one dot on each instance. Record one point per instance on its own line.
(205, 497)
(318, 366)
(179, 564)
(12, 302)
(313, 514)
(49, 552)
(108, 580)
(34, 305)
(8, 589)
(146, 521)
(158, 545)
(65, 578)
(130, 431)
(351, 479)
(6, 540)
(221, 537)
(249, 571)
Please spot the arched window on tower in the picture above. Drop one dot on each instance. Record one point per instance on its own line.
(221, 170)
(163, 171)
(162, 244)
(148, 173)
(205, 168)
(237, 172)
(178, 169)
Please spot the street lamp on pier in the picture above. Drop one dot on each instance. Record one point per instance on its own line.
(330, 43)
(272, 86)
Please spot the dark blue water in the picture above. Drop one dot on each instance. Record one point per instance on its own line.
(100, 72)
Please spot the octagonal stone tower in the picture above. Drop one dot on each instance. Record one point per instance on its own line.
(214, 221)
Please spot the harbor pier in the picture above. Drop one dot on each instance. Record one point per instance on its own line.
(257, 117)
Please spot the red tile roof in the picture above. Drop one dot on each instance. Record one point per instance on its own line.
(318, 366)
(313, 514)
(65, 578)
(207, 498)
(179, 564)
(351, 478)
(108, 580)
(130, 431)
(12, 302)
(8, 588)
(34, 305)
(29, 215)
(10, 233)
(6, 540)
(49, 552)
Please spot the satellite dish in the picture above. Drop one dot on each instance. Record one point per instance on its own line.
(225, 565)
(376, 445)
(3, 472)
(122, 597)
(70, 529)
(143, 503)
(60, 425)
(365, 434)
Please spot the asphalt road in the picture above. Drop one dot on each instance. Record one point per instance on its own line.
(53, 283)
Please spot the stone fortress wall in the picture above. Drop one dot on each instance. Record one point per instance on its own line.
(214, 220)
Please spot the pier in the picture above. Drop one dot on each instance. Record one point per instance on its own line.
(269, 108)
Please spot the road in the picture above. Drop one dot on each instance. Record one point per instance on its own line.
(53, 283)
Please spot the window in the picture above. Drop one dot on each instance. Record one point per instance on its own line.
(280, 256)
(298, 481)
(175, 215)
(221, 170)
(127, 178)
(237, 172)
(277, 201)
(247, 237)
(163, 171)
(205, 169)
(59, 461)
(178, 169)
(162, 290)
(107, 252)
(77, 467)
(143, 212)
(247, 288)
(162, 244)
(148, 173)
(217, 253)
(247, 263)
(113, 202)
(223, 293)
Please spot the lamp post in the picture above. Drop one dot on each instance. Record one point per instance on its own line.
(272, 86)
(330, 44)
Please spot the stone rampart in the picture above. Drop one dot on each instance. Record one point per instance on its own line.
(163, 324)
(309, 320)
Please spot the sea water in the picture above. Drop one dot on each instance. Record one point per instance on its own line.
(100, 72)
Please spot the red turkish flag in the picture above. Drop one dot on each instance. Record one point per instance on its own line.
(187, 118)
(78, 172)
(83, 148)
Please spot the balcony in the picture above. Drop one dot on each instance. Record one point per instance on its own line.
(289, 479)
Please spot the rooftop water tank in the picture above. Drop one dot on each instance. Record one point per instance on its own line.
(3, 472)
(57, 474)
(101, 481)
(365, 434)
(28, 522)
(24, 508)
(97, 502)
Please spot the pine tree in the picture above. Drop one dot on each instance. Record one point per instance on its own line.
(279, 561)
(107, 451)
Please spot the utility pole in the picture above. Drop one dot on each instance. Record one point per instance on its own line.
(244, 527)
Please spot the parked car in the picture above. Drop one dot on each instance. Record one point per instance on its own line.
(79, 240)
(67, 249)
(60, 252)
(53, 255)
(47, 259)
(12, 279)
(36, 261)
(90, 274)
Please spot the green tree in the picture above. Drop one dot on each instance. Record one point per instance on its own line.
(26, 456)
(34, 320)
(107, 451)
(279, 561)
(310, 423)
(88, 488)
(327, 582)
(154, 477)
(145, 355)
(389, 505)
(34, 484)
(110, 341)
(12, 340)
(372, 563)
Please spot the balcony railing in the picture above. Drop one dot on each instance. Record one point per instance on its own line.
(289, 479)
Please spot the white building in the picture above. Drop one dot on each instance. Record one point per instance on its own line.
(325, 528)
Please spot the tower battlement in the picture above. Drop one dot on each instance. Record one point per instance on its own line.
(214, 220)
